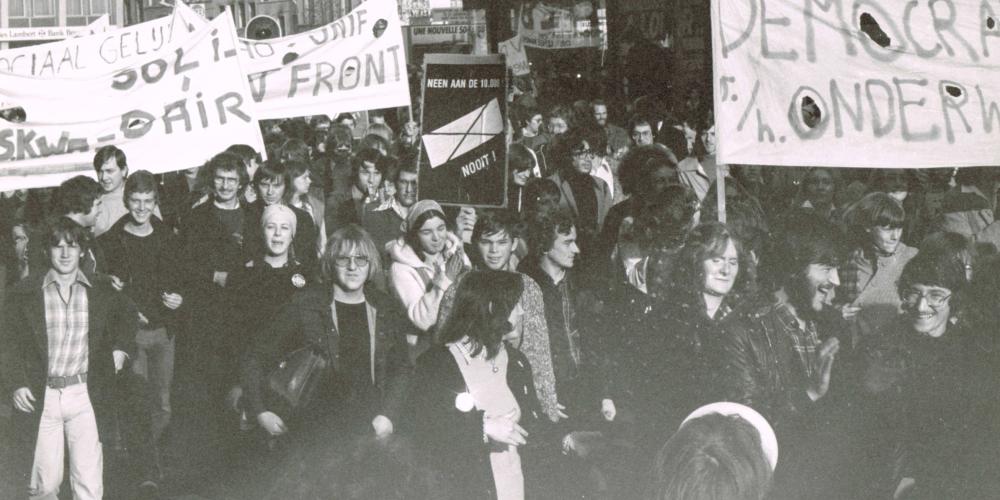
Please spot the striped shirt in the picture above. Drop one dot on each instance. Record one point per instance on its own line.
(67, 320)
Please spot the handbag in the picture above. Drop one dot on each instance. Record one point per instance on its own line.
(295, 378)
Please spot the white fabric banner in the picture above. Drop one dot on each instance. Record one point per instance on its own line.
(167, 111)
(353, 64)
(97, 53)
(857, 84)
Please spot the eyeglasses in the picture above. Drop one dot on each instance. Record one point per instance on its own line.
(359, 261)
(583, 153)
(934, 298)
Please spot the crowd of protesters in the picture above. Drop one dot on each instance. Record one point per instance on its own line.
(551, 349)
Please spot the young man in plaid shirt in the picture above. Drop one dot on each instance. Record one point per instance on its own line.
(65, 333)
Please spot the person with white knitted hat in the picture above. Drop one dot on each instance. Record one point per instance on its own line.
(426, 260)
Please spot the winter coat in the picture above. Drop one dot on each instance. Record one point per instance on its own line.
(310, 320)
(450, 440)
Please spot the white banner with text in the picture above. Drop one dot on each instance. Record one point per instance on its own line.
(857, 84)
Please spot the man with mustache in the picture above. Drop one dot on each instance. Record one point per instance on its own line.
(780, 360)
(217, 240)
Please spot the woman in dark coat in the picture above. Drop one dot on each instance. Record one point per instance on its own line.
(665, 361)
(473, 405)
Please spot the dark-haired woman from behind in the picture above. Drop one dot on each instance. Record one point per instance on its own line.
(473, 404)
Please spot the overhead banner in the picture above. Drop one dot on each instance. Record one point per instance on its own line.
(516, 57)
(547, 26)
(857, 84)
(464, 155)
(167, 111)
(98, 53)
(355, 63)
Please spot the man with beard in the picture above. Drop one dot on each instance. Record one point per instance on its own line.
(779, 361)
(618, 139)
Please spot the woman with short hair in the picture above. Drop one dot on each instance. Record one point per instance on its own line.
(868, 288)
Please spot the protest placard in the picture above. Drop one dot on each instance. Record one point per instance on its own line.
(857, 84)
(463, 157)
(167, 111)
(517, 58)
(100, 52)
(549, 26)
(352, 64)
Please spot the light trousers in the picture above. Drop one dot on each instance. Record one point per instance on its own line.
(67, 419)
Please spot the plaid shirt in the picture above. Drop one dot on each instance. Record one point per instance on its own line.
(805, 342)
(67, 320)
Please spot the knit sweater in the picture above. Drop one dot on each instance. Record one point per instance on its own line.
(876, 291)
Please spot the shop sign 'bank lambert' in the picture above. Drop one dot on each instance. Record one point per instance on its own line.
(857, 83)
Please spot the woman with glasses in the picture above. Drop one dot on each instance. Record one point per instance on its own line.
(920, 378)
(358, 330)
(868, 290)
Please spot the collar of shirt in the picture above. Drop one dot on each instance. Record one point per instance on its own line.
(393, 204)
(50, 277)
(787, 318)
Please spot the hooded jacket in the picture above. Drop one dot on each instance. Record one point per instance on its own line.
(413, 280)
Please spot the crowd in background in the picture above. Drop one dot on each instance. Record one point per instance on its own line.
(549, 349)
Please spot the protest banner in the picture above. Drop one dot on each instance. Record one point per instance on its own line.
(857, 84)
(355, 63)
(464, 155)
(517, 58)
(100, 52)
(167, 111)
(547, 26)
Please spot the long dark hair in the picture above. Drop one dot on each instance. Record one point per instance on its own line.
(482, 310)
